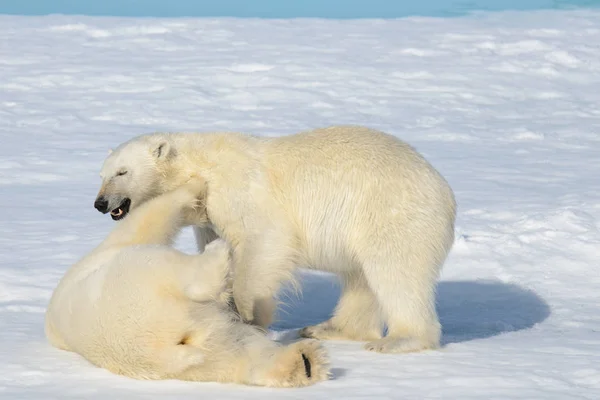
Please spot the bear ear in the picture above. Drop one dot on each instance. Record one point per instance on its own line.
(162, 151)
(110, 151)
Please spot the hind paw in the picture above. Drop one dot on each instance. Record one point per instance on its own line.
(301, 364)
(398, 345)
(326, 331)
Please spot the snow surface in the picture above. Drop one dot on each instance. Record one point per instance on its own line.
(505, 105)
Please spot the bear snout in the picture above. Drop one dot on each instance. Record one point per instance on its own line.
(101, 204)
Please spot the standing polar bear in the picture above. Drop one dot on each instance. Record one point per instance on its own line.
(142, 309)
(346, 199)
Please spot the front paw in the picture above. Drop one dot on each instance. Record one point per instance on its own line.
(193, 192)
(192, 198)
(196, 186)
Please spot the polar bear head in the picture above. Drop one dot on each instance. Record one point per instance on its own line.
(133, 173)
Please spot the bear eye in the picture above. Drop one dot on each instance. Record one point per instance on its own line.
(121, 173)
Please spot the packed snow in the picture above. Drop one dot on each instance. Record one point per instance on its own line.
(505, 105)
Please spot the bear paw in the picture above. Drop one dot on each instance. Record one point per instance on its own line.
(398, 345)
(193, 192)
(327, 331)
(301, 364)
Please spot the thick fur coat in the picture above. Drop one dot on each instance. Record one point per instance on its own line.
(140, 308)
(346, 199)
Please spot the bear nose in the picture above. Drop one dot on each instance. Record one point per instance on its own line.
(101, 205)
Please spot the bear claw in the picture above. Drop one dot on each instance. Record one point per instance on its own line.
(306, 366)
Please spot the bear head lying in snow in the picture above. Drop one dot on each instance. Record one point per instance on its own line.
(346, 199)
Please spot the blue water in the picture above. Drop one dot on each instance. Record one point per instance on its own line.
(280, 8)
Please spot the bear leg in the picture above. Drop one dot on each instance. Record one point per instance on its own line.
(357, 315)
(205, 276)
(261, 264)
(236, 352)
(407, 302)
(158, 220)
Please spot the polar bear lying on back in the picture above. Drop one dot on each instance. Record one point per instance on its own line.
(349, 200)
(140, 308)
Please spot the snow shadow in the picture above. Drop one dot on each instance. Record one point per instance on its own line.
(468, 310)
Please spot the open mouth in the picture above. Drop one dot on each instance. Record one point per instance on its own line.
(121, 211)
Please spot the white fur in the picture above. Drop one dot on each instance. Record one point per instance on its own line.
(140, 308)
(345, 199)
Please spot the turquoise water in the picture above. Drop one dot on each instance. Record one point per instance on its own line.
(280, 8)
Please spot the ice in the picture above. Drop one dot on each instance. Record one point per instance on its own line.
(505, 105)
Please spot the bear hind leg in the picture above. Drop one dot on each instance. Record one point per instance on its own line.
(357, 315)
(240, 353)
(408, 303)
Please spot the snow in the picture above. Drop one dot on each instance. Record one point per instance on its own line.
(505, 105)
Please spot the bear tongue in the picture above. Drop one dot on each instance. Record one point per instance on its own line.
(117, 212)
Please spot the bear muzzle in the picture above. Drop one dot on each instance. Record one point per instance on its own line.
(102, 204)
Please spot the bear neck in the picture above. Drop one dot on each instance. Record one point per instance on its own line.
(213, 156)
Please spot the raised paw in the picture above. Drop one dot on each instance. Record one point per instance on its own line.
(398, 345)
(301, 364)
(193, 192)
(192, 197)
(196, 186)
